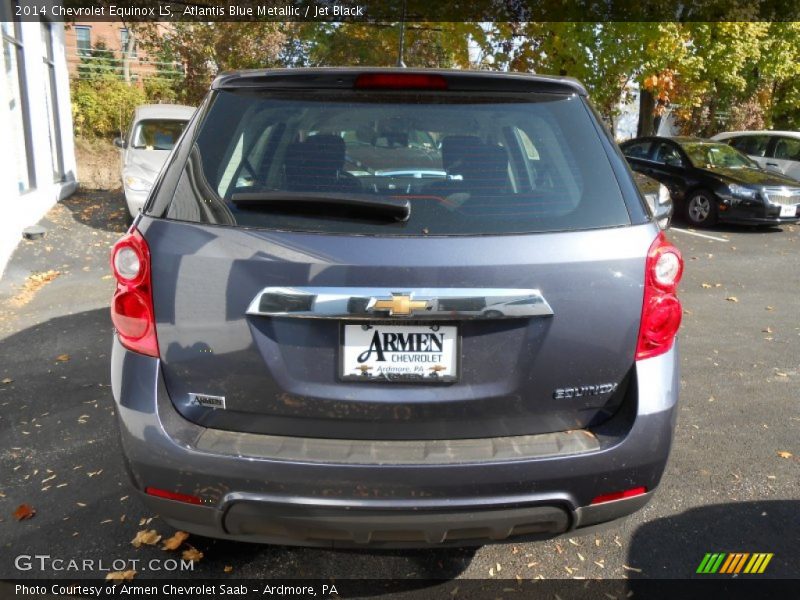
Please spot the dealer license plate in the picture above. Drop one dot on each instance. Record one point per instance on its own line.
(400, 353)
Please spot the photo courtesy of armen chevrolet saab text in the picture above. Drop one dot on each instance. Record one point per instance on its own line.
(395, 307)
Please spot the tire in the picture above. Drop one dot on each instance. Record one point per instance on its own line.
(701, 209)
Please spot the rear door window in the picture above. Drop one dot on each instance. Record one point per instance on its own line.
(637, 150)
(754, 145)
(787, 148)
(466, 163)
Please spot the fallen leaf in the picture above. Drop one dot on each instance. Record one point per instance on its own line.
(634, 569)
(228, 569)
(192, 554)
(121, 575)
(7, 380)
(175, 541)
(146, 536)
(784, 454)
(732, 299)
(24, 511)
(62, 357)
(706, 285)
(767, 330)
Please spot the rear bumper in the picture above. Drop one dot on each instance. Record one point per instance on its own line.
(330, 503)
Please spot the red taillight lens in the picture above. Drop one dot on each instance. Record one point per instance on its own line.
(401, 81)
(637, 491)
(159, 493)
(661, 309)
(132, 305)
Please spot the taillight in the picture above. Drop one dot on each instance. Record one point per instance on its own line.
(401, 81)
(631, 493)
(661, 309)
(132, 305)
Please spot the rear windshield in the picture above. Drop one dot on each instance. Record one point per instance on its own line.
(157, 134)
(465, 163)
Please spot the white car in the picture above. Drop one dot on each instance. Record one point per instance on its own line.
(153, 132)
(777, 151)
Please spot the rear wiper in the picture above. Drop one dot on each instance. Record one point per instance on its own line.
(394, 208)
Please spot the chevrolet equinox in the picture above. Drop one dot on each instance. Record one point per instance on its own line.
(398, 308)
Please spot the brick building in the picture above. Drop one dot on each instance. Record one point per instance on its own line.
(82, 36)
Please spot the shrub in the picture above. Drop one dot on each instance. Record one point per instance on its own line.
(103, 106)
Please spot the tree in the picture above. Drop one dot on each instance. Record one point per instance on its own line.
(204, 49)
(359, 44)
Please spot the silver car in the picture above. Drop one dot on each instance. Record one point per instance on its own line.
(152, 135)
(310, 353)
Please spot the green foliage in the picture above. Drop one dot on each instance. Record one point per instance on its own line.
(713, 75)
(99, 61)
(103, 106)
(204, 49)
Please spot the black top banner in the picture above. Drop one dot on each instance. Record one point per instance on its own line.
(410, 10)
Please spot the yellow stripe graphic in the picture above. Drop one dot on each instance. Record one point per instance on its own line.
(757, 565)
(751, 564)
(766, 562)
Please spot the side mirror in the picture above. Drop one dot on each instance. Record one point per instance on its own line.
(661, 206)
(663, 215)
(120, 143)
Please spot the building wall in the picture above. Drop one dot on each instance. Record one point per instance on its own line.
(109, 33)
(21, 209)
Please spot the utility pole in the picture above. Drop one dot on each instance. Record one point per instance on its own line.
(400, 62)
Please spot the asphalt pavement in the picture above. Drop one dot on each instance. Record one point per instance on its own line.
(732, 483)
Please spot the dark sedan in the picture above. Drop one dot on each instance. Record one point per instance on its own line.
(714, 182)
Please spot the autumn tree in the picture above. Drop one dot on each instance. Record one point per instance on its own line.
(204, 49)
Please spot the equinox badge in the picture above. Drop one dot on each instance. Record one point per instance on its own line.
(584, 390)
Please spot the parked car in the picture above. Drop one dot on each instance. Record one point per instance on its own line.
(777, 151)
(657, 197)
(152, 134)
(715, 182)
(304, 355)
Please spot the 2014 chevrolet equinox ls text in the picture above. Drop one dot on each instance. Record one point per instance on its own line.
(398, 308)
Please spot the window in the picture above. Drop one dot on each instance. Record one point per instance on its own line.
(754, 145)
(637, 150)
(14, 79)
(51, 97)
(124, 35)
(157, 134)
(787, 149)
(668, 154)
(710, 155)
(458, 159)
(83, 40)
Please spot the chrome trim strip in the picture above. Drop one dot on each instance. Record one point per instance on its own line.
(418, 304)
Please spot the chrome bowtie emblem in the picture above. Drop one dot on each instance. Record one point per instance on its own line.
(400, 305)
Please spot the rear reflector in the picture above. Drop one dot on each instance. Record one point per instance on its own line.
(400, 81)
(637, 491)
(178, 497)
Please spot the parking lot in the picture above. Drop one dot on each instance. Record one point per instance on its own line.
(732, 484)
